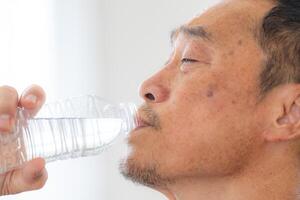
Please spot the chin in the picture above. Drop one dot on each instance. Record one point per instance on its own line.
(139, 166)
(140, 172)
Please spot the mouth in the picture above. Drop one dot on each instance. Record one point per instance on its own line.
(141, 123)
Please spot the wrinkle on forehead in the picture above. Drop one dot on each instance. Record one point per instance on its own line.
(232, 17)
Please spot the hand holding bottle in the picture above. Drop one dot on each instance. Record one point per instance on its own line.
(32, 175)
(75, 127)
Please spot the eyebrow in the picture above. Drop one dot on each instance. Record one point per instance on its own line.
(193, 31)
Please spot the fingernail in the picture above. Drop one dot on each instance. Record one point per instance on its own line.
(4, 121)
(31, 98)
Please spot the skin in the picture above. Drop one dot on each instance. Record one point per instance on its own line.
(33, 174)
(217, 138)
(210, 134)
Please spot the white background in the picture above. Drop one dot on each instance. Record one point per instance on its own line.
(76, 47)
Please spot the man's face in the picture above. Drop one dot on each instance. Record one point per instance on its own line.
(202, 104)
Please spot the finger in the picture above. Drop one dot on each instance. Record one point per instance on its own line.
(32, 99)
(32, 176)
(8, 104)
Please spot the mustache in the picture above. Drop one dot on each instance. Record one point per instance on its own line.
(149, 115)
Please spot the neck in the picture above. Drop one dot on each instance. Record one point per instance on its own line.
(273, 174)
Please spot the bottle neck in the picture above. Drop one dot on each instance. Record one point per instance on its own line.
(128, 113)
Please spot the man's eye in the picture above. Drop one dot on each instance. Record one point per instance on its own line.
(188, 61)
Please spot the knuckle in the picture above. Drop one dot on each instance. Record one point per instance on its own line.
(8, 89)
(8, 93)
(6, 187)
(7, 108)
(8, 97)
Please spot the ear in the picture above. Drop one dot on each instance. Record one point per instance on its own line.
(284, 104)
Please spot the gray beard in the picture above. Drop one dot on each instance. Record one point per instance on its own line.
(147, 176)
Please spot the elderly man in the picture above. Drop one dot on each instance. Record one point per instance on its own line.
(220, 120)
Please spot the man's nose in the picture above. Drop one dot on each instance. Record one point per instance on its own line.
(154, 92)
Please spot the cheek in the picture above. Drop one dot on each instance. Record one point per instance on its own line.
(204, 133)
(204, 147)
(196, 104)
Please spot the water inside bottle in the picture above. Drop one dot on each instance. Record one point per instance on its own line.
(60, 138)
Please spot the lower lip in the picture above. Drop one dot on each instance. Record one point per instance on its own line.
(140, 127)
(137, 129)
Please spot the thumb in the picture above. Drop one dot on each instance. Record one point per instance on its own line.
(31, 176)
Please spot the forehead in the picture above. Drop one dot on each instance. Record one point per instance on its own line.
(232, 19)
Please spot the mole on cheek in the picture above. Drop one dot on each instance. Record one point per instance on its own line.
(240, 42)
(231, 53)
(210, 93)
(211, 90)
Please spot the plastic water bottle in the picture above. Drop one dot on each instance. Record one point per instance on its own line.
(72, 128)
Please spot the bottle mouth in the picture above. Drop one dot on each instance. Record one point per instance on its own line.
(129, 116)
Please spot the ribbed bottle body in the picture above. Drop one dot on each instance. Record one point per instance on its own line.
(72, 128)
(63, 138)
